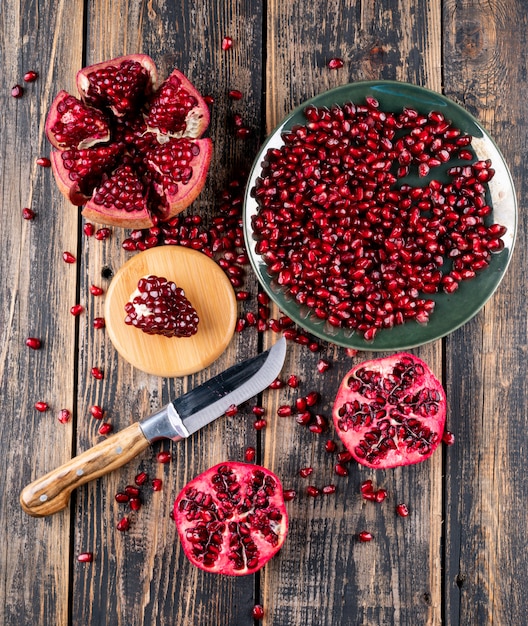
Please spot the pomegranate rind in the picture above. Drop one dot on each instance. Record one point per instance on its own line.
(396, 418)
(232, 511)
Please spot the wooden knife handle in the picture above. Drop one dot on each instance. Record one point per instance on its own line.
(51, 493)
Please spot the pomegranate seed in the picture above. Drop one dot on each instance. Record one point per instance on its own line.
(249, 454)
(96, 291)
(123, 524)
(43, 162)
(258, 410)
(448, 438)
(258, 612)
(227, 43)
(141, 478)
(85, 557)
(135, 504)
(304, 418)
(242, 295)
(157, 483)
(313, 491)
(102, 233)
(293, 381)
(209, 100)
(366, 487)
(64, 416)
(105, 429)
(330, 446)
(323, 366)
(380, 495)
(76, 309)
(34, 343)
(121, 497)
(88, 229)
(260, 424)
(41, 406)
(164, 456)
(329, 489)
(235, 94)
(365, 536)
(28, 214)
(276, 384)
(284, 410)
(340, 470)
(99, 322)
(17, 91)
(97, 373)
(68, 257)
(132, 492)
(335, 63)
(312, 398)
(289, 494)
(304, 472)
(402, 510)
(243, 132)
(30, 76)
(97, 412)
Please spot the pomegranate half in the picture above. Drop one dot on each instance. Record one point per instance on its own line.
(128, 150)
(232, 518)
(390, 411)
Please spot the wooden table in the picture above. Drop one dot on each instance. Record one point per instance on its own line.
(460, 557)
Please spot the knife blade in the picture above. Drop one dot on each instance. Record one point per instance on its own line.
(179, 419)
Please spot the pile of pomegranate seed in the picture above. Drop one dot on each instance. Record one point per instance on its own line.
(343, 230)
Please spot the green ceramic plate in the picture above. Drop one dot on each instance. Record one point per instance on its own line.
(451, 311)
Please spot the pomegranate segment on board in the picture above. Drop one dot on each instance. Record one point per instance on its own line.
(232, 518)
(390, 411)
(159, 307)
(129, 150)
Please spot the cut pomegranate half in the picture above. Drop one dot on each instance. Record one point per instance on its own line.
(390, 411)
(232, 518)
(129, 151)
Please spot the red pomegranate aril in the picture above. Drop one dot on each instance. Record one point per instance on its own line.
(260, 424)
(258, 410)
(132, 491)
(235, 94)
(289, 495)
(312, 398)
(41, 406)
(85, 557)
(30, 76)
(105, 429)
(68, 257)
(28, 214)
(141, 478)
(340, 469)
(96, 291)
(335, 63)
(313, 491)
(276, 384)
(402, 510)
(365, 536)
(122, 497)
(164, 456)
(304, 418)
(284, 410)
(97, 412)
(64, 416)
(34, 343)
(250, 454)
(102, 234)
(304, 472)
(157, 484)
(17, 91)
(257, 612)
(123, 524)
(380, 495)
(329, 489)
(227, 43)
(366, 487)
(231, 410)
(323, 365)
(448, 438)
(97, 373)
(330, 446)
(43, 162)
(135, 504)
(76, 309)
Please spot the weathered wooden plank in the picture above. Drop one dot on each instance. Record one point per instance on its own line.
(324, 576)
(142, 577)
(485, 494)
(36, 292)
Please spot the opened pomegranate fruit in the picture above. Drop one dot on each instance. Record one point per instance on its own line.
(159, 307)
(232, 518)
(390, 411)
(128, 150)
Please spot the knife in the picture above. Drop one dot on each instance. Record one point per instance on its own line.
(177, 420)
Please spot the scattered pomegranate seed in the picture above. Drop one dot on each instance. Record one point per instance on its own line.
(28, 214)
(88, 229)
(141, 478)
(123, 524)
(131, 491)
(330, 446)
(312, 398)
(351, 352)
(260, 424)
(209, 100)
(34, 343)
(285, 410)
(304, 472)
(243, 132)
(97, 412)
(68, 257)
(99, 322)
(448, 438)
(231, 410)
(250, 454)
(64, 416)
(164, 456)
(258, 410)
(30, 76)
(365, 536)
(102, 234)
(340, 470)
(17, 91)
(105, 429)
(227, 43)
(276, 384)
(122, 497)
(157, 483)
(380, 495)
(43, 162)
(335, 63)
(323, 366)
(258, 611)
(329, 489)
(289, 494)
(235, 94)
(402, 510)
(97, 373)
(293, 381)
(304, 418)
(135, 504)
(313, 492)
(96, 291)
(76, 309)
(85, 557)
(41, 406)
